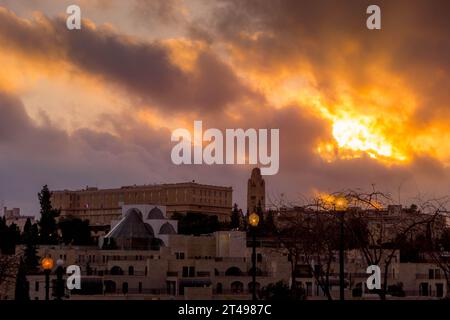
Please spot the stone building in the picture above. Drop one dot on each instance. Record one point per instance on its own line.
(102, 206)
(214, 266)
(13, 216)
(256, 191)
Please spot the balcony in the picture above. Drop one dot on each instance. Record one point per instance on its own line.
(230, 259)
(198, 274)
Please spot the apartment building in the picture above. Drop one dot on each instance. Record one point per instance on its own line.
(216, 266)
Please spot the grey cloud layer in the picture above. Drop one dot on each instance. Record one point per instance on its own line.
(142, 68)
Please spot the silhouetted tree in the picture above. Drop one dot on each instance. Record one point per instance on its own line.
(31, 237)
(235, 217)
(260, 213)
(269, 224)
(26, 230)
(9, 237)
(310, 237)
(8, 270)
(31, 258)
(75, 231)
(380, 241)
(438, 251)
(47, 223)
(277, 291)
(194, 223)
(22, 292)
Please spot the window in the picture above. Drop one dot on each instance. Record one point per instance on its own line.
(423, 289)
(219, 288)
(439, 290)
(437, 273)
(259, 257)
(125, 288)
(431, 274)
(179, 255)
(191, 271)
(185, 272)
(140, 287)
(233, 271)
(36, 286)
(308, 289)
(171, 287)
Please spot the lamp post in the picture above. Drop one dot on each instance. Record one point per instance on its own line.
(341, 207)
(253, 220)
(47, 265)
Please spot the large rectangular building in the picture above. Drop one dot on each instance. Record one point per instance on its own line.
(101, 206)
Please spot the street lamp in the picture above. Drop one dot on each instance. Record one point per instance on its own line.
(340, 206)
(47, 265)
(253, 220)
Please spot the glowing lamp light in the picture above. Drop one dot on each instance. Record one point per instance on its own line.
(47, 263)
(341, 204)
(253, 219)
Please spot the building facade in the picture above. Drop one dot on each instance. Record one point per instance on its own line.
(216, 266)
(13, 216)
(101, 206)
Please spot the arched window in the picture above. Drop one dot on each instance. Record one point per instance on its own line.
(155, 213)
(116, 271)
(233, 271)
(219, 288)
(130, 270)
(167, 228)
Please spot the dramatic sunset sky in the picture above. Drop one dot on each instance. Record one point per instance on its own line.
(96, 107)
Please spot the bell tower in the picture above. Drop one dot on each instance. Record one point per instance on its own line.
(256, 191)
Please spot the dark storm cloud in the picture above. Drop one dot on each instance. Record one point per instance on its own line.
(20, 135)
(144, 69)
